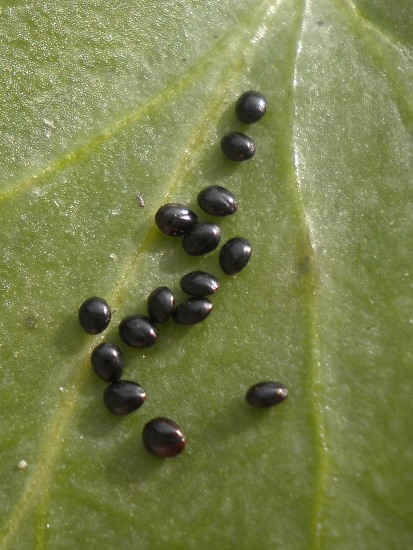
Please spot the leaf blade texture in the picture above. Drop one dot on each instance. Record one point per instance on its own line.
(105, 103)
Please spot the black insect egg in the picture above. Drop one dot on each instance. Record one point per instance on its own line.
(192, 311)
(124, 397)
(138, 331)
(237, 146)
(94, 315)
(266, 394)
(203, 238)
(161, 303)
(199, 283)
(251, 106)
(107, 362)
(234, 255)
(162, 437)
(218, 201)
(175, 219)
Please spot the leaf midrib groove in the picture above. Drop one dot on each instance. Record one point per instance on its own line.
(313, 347)
(406, 114)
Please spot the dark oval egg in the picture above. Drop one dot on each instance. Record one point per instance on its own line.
(192, 311)
(107, 362)
(163, 437)
(251, 106)
(218, 201)
(199, 283)
(203, 238)
(266, 394)
(237, 146)
(124, 397)
(234, 255)
(94, 315)
(138, 331)
(161, 303)
(175, 219)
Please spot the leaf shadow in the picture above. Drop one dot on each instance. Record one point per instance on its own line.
(127, 461)
(95, 421)
(131, 464)
(213, 164)
(234, 419)
(171, 257)
(69, 337)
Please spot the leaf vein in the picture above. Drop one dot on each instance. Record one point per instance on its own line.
(386, 36)
(136, 114)
(65, 411)
(399, 89)
(315, 359)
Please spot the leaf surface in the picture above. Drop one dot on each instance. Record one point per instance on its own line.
(102, 102)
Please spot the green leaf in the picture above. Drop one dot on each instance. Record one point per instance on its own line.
(102, 101)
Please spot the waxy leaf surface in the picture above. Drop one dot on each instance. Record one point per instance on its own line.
(108, 111)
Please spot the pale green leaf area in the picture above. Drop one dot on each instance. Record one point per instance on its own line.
(101, 101)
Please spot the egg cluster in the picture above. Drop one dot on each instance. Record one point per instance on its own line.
(161, 436)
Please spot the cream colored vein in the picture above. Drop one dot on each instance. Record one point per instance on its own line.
(393, 71)
(319, 422)
(389, 39)
(133, 117)
(45, 463)
(315, 362)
